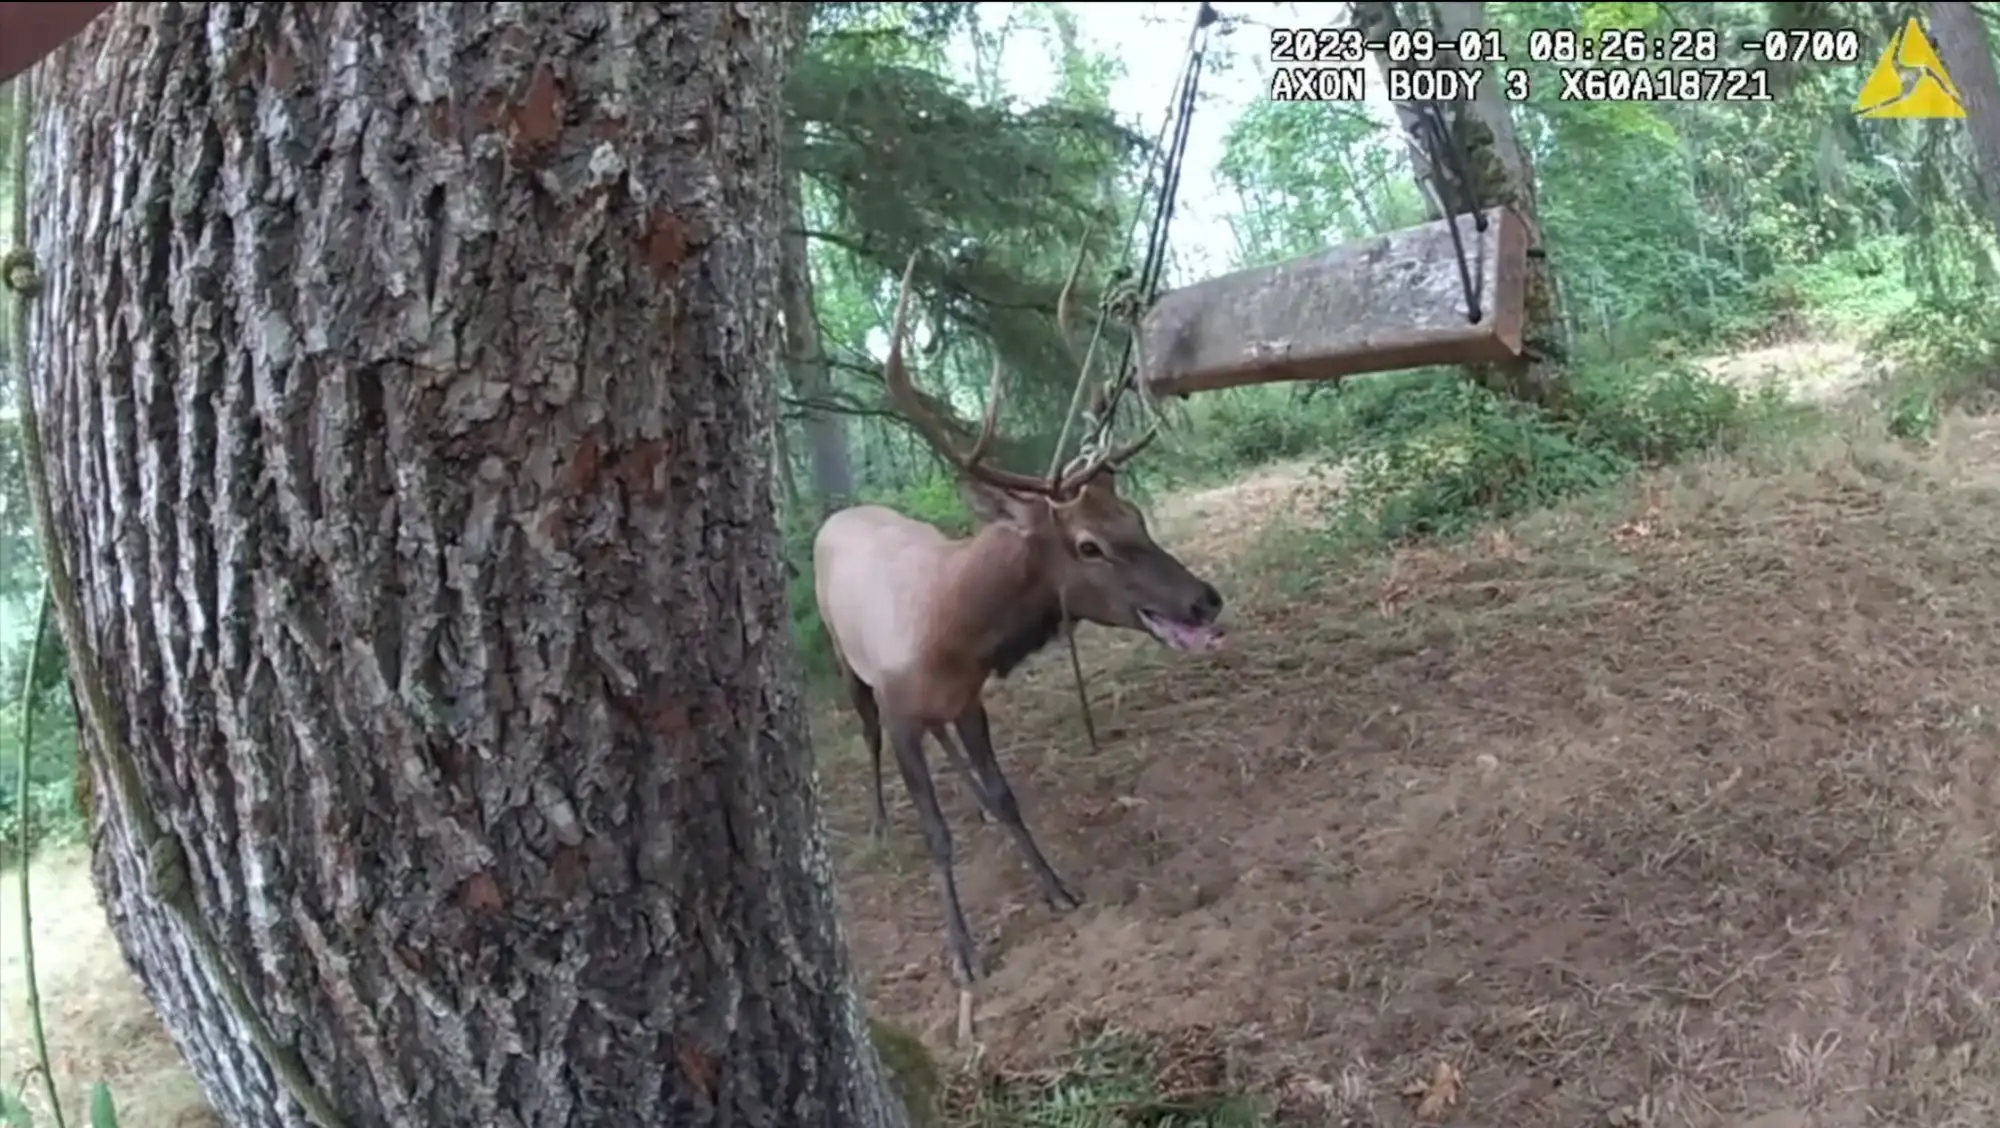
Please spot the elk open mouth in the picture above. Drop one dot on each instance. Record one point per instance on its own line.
(1182, 635)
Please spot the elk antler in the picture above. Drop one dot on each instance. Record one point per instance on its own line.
(1092, 463)
(933, 429)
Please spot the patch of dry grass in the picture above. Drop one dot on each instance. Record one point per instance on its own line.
(1809, 370)
(100, 1027)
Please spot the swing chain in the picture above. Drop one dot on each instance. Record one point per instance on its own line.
(1452, 193)
(1127, 298)
(1122, 299)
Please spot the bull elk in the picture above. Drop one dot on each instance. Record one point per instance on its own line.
(919, 621)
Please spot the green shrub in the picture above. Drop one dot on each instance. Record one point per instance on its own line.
(1950, 347)
(51, 814)
(1914, 413)
(1854, 289)
(1453, 453)
(1439, 453)
(1248, 427)
(1654, 413)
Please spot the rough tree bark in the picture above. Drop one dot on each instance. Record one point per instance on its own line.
(404, 373)
(1960, 37)
(1501, 174)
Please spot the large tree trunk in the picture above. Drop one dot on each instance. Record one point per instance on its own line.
(1960, 37)
(404, 372)
(1501, 174)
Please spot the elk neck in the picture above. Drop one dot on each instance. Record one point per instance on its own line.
(1004, 602)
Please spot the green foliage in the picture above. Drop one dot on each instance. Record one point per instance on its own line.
(1452, 453)
(1111, 1081)
(935, 499)
(103, 1111)
(1230, 431)
(1914, 413)
(1943, 338)
(1946, 354)
(1653, 414)
(14, 1113)
(51, 816)
(1429, 453)
(1850, 290)
(899, 157)
(869, 27)
(913, 1071)
(1599, 17)
(1293, 199)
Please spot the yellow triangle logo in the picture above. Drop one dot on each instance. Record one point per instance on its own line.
(1909, 81)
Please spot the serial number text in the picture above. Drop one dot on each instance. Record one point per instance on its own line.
(1666, 84)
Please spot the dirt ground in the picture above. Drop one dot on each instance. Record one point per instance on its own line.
(99, 1025)
(1811, 370)
(1667, 810)
(1674, 812)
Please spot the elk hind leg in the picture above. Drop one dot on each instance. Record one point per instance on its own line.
(907, 738)
(863, 697)
(869, 710)
(952, 750)
(977, 736)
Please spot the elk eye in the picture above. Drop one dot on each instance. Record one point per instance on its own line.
(1089, 549)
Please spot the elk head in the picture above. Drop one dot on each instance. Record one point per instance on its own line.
(1090, 546)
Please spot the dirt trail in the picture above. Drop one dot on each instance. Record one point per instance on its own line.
(1675, 815)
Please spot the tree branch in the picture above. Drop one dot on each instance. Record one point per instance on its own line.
(835, 404)
(946, 280)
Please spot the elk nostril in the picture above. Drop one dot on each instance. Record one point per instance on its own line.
(1207, 605)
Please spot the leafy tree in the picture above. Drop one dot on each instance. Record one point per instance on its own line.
(897, 157)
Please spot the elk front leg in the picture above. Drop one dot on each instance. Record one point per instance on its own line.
(908, 741)
(977, 737)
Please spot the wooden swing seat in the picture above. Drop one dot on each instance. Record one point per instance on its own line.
(1385, 303)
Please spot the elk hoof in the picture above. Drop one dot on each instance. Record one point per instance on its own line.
(965, 1033)
(1061, 897)
(965, 963)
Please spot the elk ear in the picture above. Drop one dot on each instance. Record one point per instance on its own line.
(993, 505)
